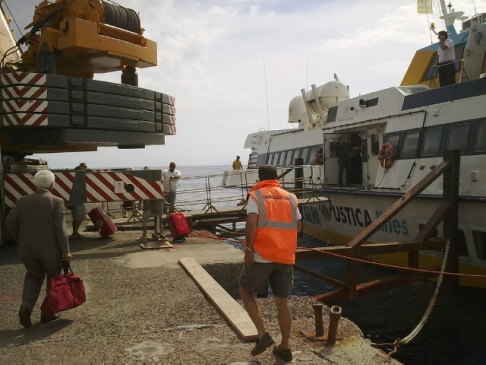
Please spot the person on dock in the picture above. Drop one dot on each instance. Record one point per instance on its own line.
(38, 224)
(169, 179)
(152, 209)
(273, 221)
(78, 212)
(447, 57)
(237, 164)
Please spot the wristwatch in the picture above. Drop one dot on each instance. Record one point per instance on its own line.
(248, 249)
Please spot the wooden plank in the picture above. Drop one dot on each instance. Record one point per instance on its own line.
(230, 308)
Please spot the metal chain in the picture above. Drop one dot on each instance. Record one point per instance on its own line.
(426, 315)
(398, 342)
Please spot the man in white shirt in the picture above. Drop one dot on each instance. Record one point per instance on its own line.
(169, 179)
(447, 57)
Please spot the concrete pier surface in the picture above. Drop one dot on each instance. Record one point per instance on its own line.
(143, 308)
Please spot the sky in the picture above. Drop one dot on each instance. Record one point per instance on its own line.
(234, 65)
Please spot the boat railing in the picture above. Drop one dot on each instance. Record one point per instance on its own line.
(207, 193)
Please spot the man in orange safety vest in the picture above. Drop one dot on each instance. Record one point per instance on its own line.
(273, 221)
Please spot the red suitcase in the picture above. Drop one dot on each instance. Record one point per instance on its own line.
(178, 226)
(102, 222)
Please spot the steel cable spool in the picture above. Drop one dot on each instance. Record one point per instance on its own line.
(121, 17)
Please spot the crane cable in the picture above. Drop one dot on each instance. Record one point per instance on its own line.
(121, 17)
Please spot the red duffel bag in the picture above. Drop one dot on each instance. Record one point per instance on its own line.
(66, 291)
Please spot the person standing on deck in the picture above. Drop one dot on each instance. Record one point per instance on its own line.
(341, 151)
(273, 221)
(237, 164)
(447, 58)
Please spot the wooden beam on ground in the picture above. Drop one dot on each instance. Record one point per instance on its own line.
(230, 308)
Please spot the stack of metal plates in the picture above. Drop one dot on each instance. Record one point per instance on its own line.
(41, 110)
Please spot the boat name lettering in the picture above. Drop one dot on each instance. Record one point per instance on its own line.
(362, 217)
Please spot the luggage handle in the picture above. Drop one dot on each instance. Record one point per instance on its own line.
(66, 267)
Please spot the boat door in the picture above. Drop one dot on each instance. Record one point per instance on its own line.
(372, 139)
(331, 167)
(330, 162)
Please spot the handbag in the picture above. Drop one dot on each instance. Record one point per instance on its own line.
(66, 291)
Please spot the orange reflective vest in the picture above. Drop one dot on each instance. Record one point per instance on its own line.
(276, 234)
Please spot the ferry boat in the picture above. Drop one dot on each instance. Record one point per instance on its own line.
(398, 136)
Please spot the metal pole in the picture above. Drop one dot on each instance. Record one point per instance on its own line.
(334, 315)
(318, 319)
(299, 177)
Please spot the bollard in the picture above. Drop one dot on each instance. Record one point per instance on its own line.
(334, 315)
(318, 319)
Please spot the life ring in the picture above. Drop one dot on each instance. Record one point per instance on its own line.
(387, 155)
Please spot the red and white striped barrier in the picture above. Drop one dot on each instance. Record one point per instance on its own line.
(100, 187)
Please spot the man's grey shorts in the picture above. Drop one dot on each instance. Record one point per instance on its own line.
(255, 278)
(79, 212)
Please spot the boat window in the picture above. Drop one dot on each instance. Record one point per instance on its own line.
(364, 150)
(313, 153)
(432, 142)
(332, 114)
(290, 155)
(432, 70)
(305, 155)
(433, 234)
(307, 214)
(270, 158)
(480, 243)
(461, 244)
(480, 145)
(315, 215)
(275, 158)
(375, 144)
(410, 143)
(458, 138)
(281, 158)
(297, 153)
(261, 160)
(393, 140)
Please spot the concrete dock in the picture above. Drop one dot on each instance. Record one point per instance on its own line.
(142, 307)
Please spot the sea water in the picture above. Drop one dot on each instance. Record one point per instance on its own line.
(453, 334)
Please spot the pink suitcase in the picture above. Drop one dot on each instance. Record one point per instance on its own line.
(102, 222)
(178, 226)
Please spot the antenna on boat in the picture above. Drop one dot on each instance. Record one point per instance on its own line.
(266, 93)
(307, 74)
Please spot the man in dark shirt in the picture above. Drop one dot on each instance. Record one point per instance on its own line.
(341, 151)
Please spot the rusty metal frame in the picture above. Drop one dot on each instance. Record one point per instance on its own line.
(447, 211)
